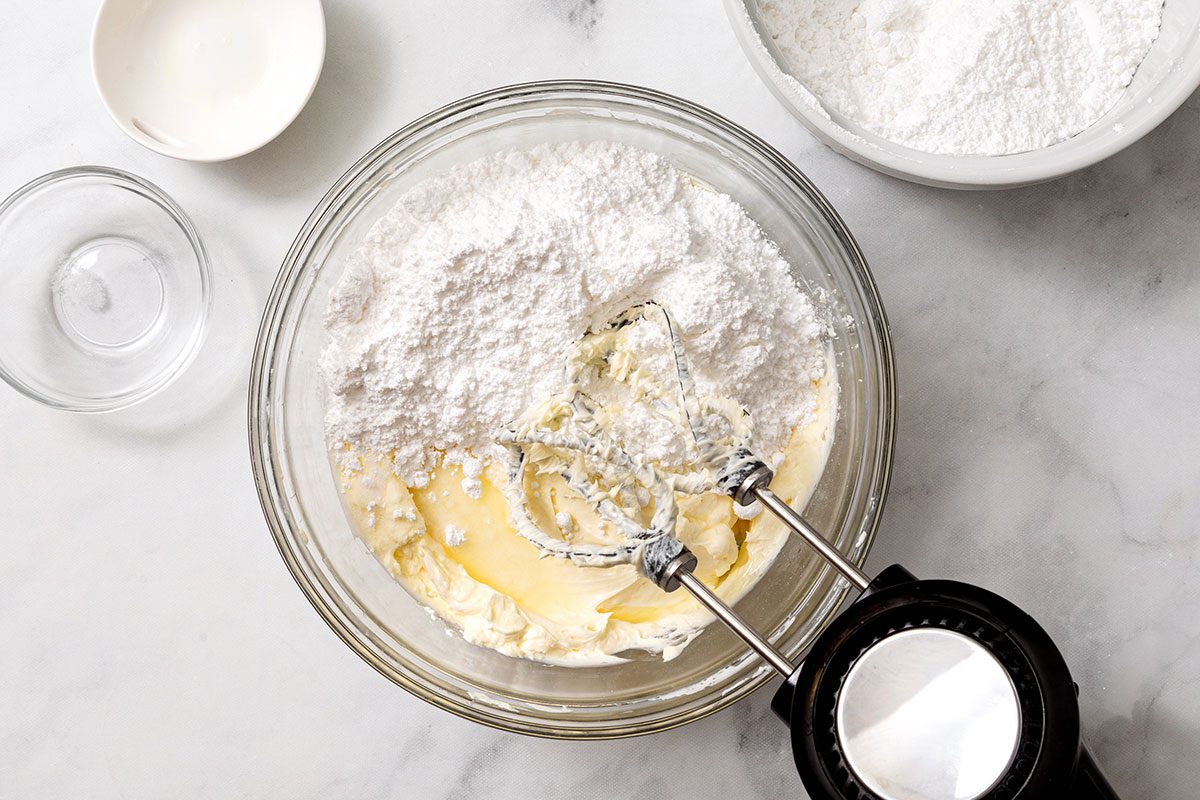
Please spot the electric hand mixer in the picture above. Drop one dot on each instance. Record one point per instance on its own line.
(920, 690)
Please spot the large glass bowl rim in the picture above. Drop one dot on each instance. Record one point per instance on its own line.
(263, 435)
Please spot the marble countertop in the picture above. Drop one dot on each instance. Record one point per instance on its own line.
(155, 646)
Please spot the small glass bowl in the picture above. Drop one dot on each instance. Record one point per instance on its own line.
(372, 613)
(104, 289)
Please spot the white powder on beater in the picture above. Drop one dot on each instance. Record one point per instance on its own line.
(983, 77)
(454, 314)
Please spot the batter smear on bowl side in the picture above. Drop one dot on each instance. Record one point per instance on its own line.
(452, 319)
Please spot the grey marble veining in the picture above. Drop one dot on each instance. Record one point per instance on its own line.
(1047, 344)
(583, 13)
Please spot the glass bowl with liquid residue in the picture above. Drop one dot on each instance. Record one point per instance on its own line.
(359, 599)
(105, 289)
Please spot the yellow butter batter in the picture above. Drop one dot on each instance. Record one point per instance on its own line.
(461, 556)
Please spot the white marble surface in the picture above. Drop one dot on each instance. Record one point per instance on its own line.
(153, 645)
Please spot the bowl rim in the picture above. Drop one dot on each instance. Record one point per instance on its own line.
(943, 170)
(261, 427)
(260, 140)
(150, 191)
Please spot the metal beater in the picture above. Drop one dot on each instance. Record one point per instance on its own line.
(920, 690)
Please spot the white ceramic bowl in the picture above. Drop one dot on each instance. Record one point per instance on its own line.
(207, 81)
(1168, 76)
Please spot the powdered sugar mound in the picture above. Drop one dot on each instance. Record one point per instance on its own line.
(454, 314)
(965, 76)
(454, 536)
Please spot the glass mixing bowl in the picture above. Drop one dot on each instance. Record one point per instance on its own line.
(372, 613)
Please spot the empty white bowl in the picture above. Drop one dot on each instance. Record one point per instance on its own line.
(1168, 76)
(207, 80)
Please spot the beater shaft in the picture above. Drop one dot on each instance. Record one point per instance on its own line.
(679, 572)
(727, 615)
(756, 486)
(815, 540)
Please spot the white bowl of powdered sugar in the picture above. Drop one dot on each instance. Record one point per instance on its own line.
(975, 94)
